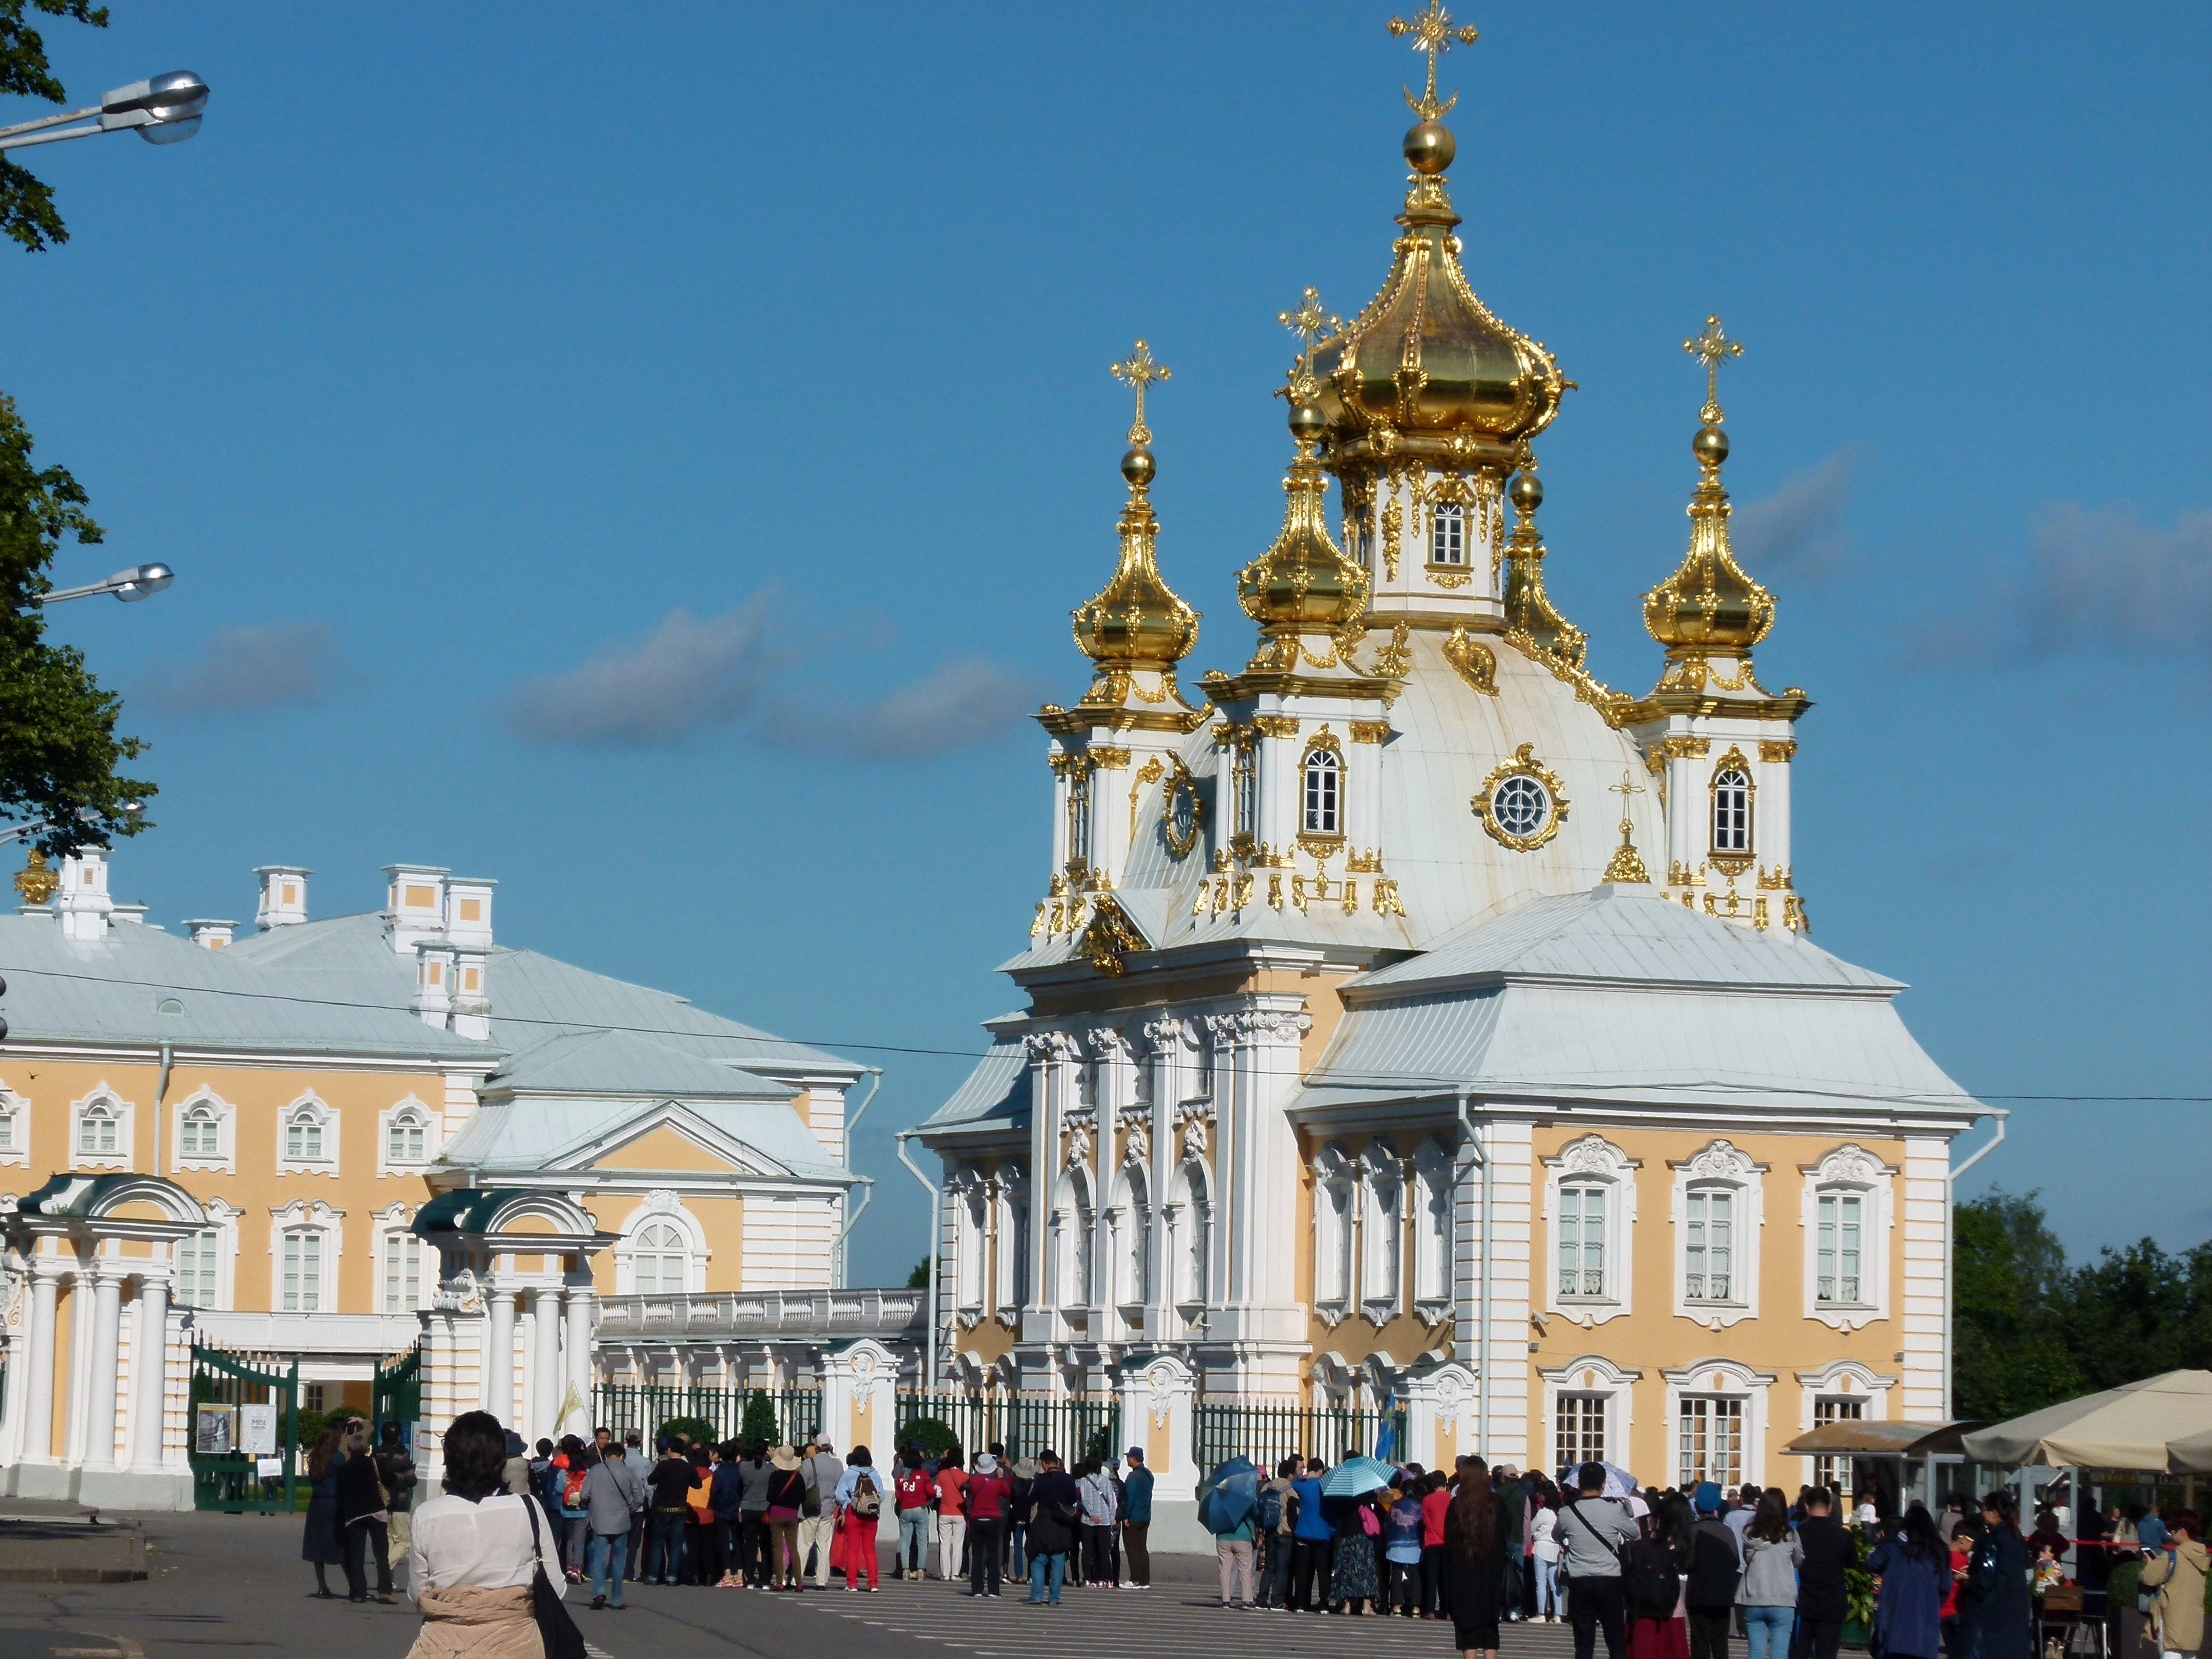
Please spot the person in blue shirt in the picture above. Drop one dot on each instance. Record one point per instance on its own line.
(1310, 1544)
(1137, 1520)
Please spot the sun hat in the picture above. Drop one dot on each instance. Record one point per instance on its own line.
(784, 1458)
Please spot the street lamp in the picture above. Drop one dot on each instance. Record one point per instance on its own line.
(128, 586)
(164, 110)
(130, 809)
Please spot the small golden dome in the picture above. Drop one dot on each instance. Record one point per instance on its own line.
(1531, 619)
(1304, 583)
(1709, 605)
(1136, 621)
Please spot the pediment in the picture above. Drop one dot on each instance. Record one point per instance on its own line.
(670, 1138)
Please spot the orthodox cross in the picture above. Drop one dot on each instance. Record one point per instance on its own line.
(1432, 33)
(1712, 348)
(1139, 371)
(1315, 328)
(1624, 788)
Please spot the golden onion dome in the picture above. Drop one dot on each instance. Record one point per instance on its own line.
(1427, 371)
(1709, 605)
(1304, 583)
(1137, 621)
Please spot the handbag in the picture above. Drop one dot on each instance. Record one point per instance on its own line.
(555, 1627)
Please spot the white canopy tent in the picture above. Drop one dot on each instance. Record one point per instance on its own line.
(2139, 1426)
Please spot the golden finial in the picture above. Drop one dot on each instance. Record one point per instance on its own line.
(1712, 348)
(34, 881)
(1627, 864)
(1432, 33)
(1314, 327)
(1139, 371)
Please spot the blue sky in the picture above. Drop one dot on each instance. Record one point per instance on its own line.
(649, 458)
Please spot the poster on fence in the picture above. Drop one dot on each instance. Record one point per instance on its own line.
(214, 1432)
(256, 1430)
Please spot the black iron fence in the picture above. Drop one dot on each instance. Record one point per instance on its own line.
(1075, 1426)
(1268, 1431)
(648, 1408)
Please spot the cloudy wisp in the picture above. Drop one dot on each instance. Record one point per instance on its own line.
(954, 706)
(1798, 530)
(243, 670)
(688, 675)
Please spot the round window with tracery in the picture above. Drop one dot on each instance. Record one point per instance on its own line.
(1521, 806)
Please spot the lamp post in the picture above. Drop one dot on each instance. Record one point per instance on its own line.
(164, 110)
(128, 586)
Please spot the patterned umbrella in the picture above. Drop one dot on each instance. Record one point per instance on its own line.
(1355, 1476)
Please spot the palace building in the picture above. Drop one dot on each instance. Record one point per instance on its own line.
(1410, 1021)
(294, 1144)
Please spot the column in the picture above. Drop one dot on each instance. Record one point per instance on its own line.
(545, 1361)
(149, 1365)
(576, 1354)
(39, 1383)
(106, 1329)
(499, 1358)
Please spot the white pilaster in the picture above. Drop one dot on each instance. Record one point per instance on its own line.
(576, 1352)
(37, 1383)
(107, 1279)
(499, 1358)
(544, 1362)
(148, 1371)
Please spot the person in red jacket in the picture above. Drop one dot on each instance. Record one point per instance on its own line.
(917, 1490)
(988, 1493)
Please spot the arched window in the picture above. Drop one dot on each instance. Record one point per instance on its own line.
(1731, 810)
(660, 1260)
(1136, 1264)
(1582, 1240)
(1708, 1244)
(1335, 1216)
(1244, 778)
(97, 1130)
(1324, 774)
(1086, 1241)
(200, 1135)
(1839, 1246)
(1432, 1245)
(969, 1244)
(407, 1137)
(1079, 813)
(1381, 1235)
(303, 1136)
(1448, 534)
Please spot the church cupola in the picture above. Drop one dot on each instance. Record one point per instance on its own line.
(1427, 395)
(1531, 621)
(1718, 742)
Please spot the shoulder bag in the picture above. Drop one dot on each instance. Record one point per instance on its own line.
(555, 1627)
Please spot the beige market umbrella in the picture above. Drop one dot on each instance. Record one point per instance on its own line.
(2191, 1454)
(2129, 1427)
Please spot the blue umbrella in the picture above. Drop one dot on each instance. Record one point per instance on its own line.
(1228, 1495)
(1355, 1476)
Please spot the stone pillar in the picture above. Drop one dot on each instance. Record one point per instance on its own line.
(107, 1278)
(499, 1359)
(576, 1359)
(150, 1367)
(1157, 1402)
(37, 1382)
(544, 1362)
(1440, 1412)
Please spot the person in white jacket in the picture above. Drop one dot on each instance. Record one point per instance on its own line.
(1544, 1537)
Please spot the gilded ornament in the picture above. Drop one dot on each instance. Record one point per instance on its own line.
(1366, 863)
(1136, 621)
(1106, 942)
(1182, 811)
(1371, 731)
(1779, 753)
(1627, 864)
(1395, 659)
(1391, 531)
(1528, 608)
(1385, 898)
(1276, 726)
(1524, 814)
(1733, 862)
(1111, 760)
(1793, 916)
(35, 881)
(1432, 33)
(1151, 772)
(1472, 660)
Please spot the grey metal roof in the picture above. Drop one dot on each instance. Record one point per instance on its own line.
(533, 1132)
(997, 1090)
(621, 1063)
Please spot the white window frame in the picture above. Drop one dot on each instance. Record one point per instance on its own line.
(308, 1108)
(1078, 811)
(1448, 536)
(392, 1229)
(1720, 1165)
(1840, 1380)
(1850, 1169)
(1436, 1194)
(661, 1206)
(1722, 1378)
(1727, 834)
(387, 1120)
(17, 1152)
(1321, 796)
(1009, 1266)
(1335, 1228)
(223, 1223)
(970, 1249)
(301, 1216)
(1593, 1162)
(225, 1158)
(1590, 1374)
(119, 1109)
(1382, 1193)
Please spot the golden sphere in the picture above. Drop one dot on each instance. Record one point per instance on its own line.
(1526, 491)
(1307, 422)
(1428, 147)
(1711, 445)
(1138, 466)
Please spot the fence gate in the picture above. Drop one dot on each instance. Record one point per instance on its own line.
(244, 1432)
(396, 1396)
(645, 1409)
(1267, 1432)
(1075, 1425)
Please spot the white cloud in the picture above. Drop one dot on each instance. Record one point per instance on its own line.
(686, 675)
(241, 671)
(1798, 530)
(2096, 580)
(953, 706)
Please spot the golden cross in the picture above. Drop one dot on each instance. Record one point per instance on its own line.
(1432, 33)
(1315, 328)
(1711, 348)
(1624, 788)
(1139, 371)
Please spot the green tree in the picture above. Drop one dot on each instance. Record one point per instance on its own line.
(2138, 1311)
(759, 1420)
(2010, 1297)
(27, 203)
(919, 1279)
(58, 750)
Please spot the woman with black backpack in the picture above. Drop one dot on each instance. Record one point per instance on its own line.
(1657, 1627)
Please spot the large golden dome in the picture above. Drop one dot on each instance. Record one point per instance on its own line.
(1426, 371)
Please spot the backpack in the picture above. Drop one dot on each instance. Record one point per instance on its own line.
(1271, 1508)
(1651, 1579)
(866, 1500)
